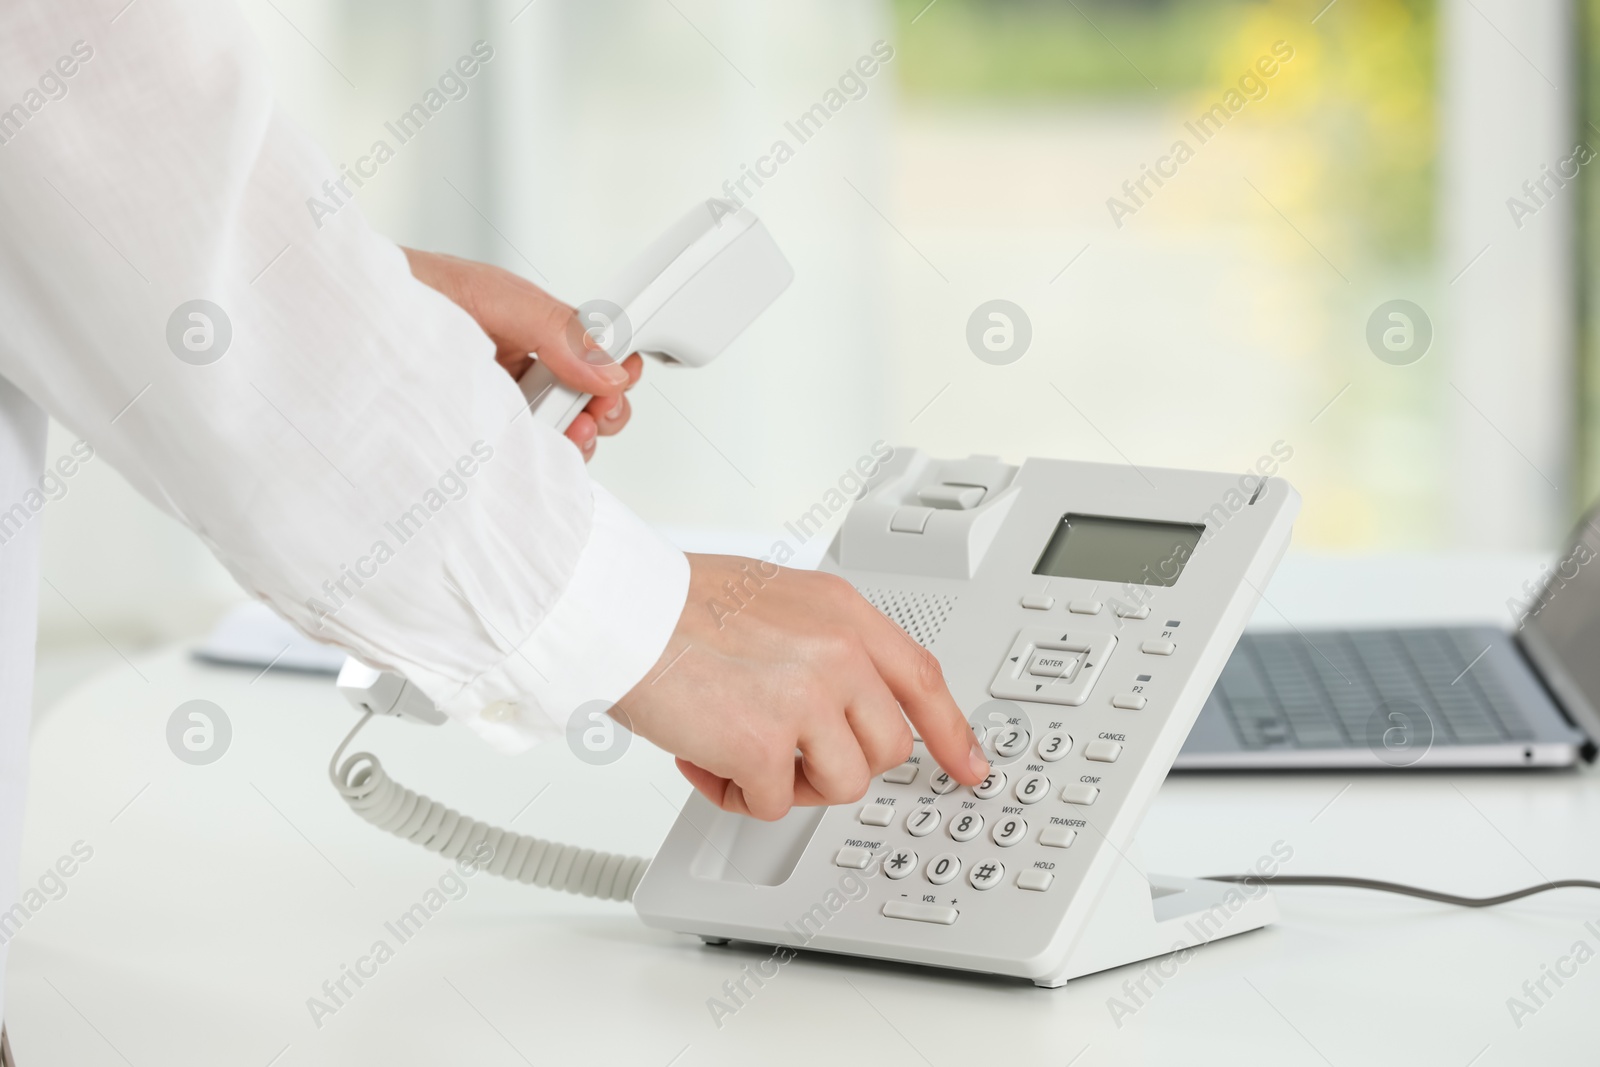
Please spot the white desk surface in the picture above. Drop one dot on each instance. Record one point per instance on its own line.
(219, 899)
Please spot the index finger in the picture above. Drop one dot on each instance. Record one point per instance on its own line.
(915, 678)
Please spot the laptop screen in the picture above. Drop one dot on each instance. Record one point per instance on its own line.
(1560, 625)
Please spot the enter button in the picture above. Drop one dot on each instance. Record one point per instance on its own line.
(1052, 665)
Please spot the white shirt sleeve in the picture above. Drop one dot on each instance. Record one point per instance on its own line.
(354, 455)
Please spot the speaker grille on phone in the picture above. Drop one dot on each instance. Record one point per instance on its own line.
(922, 615)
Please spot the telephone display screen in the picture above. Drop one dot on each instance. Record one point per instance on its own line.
(1102, 549)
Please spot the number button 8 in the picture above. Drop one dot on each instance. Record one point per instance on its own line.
(967, 826)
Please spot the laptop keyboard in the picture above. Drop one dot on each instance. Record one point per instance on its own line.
(1321, 689)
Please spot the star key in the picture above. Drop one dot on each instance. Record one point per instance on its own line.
(901, 862)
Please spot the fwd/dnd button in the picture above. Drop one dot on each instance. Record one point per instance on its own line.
(922, 913)
(857, 859)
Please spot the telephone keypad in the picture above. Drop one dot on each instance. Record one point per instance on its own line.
(966, 819)
(1045, 665)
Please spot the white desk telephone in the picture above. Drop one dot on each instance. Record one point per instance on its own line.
(1081, 615)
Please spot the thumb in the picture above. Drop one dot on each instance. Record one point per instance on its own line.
(573, 350)
(523, 317)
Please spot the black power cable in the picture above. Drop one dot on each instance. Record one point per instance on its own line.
(1405, 890)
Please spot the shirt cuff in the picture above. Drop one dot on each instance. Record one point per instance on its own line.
(605, 632)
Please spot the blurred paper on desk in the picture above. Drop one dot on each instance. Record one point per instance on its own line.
(252, 635)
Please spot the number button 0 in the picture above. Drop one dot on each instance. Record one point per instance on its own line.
(1010, 741)
(922, 822)
(1033, 789)
(943, 867)
(991, 786)
(1009, 831)
(967, 826)
(942, 783)
(1053, 746)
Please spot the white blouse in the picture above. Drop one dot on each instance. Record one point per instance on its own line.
(337, 433)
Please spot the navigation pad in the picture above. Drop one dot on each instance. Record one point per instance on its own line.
(1052, 666)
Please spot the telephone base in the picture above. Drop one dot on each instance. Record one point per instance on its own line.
(1141, 918)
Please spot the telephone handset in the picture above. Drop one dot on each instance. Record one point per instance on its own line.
(683, 300)
(1082, 613)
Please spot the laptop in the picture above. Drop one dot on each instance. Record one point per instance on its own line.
(1446, 696)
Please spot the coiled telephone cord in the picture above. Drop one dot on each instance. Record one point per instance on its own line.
(390, 806)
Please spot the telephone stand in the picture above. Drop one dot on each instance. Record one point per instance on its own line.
(1141, 917)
